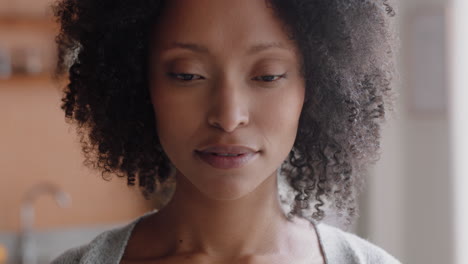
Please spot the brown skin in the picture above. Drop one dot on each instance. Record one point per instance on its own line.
(219, 215)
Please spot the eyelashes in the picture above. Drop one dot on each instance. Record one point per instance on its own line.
(185, 77)
(188, 77)
(270, 78)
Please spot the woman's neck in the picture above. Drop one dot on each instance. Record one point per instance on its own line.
(252, 224)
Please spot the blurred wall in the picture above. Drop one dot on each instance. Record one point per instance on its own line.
(37, 145)
(408, 206)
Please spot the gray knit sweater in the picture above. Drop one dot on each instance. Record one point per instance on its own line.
(339, 247)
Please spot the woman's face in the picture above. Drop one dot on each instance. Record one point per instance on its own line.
(224, 72)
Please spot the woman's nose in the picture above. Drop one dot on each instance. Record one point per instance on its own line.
(229, 106)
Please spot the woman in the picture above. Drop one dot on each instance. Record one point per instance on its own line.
(226, 96)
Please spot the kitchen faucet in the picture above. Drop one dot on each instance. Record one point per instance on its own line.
(27, 243)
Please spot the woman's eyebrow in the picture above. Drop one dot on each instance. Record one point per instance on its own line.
(202, 49)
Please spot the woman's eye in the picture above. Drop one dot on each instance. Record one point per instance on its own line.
(184, 76)
(270, 78)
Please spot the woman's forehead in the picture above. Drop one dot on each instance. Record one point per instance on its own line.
(206, 25)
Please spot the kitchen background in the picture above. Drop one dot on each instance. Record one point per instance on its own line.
(410, 206)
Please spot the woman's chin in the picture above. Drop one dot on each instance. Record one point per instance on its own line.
(223, 186)
(226, 190)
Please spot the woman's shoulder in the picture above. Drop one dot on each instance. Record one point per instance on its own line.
(343, 247)
(107, 247)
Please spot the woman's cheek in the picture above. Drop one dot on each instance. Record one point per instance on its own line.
(283, 109)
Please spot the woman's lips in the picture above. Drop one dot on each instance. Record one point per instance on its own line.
(232, 149)
(226, 162)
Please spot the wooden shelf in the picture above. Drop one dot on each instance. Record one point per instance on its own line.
(41, 28)
(25, 79)
(28, 23)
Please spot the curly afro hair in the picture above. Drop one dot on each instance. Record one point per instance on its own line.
(348, 50)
